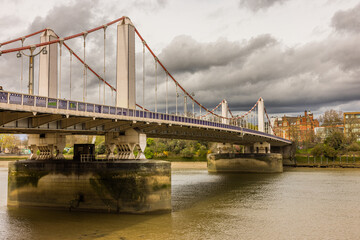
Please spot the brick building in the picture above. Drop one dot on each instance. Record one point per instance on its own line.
(299, 128)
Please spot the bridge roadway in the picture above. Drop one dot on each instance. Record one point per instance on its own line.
(29, 114)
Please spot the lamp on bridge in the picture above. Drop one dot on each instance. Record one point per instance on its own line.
(185, 103)
(193, 95)
(31, 65)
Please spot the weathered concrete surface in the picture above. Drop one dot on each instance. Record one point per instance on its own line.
(255, 163)
(129, 186)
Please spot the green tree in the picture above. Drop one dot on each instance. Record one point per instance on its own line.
(318, 150)
(335, 140)
(330, 152)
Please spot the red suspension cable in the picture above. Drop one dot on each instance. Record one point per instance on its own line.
(97, 75)
(58, 40)
(24, 37)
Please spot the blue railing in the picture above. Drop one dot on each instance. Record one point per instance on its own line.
(53, 103)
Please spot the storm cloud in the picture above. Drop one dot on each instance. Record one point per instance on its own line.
(292, 79)
(313, 75)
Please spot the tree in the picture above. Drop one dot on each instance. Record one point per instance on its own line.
(318, 150)
(335, 140)
(331, 118)
(330, 152)
(10, 142)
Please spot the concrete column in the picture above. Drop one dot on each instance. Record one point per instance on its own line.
(46, 143)
(261, 123)
(125, 65)
(48, 66)
(224, 147)
(224, 112)
(110, 148)
(262, 147)
(60, 142)
(33, 149)
(248, 149)
(127, 143)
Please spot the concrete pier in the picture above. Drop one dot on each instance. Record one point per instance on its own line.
(248, 162)
(130, 186)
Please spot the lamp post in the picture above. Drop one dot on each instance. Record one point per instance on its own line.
(185, 102)
(193, 95)
(31, 65)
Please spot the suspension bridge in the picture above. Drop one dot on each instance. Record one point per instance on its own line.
(126, 123)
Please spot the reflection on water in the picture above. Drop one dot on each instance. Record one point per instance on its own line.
(297, 204)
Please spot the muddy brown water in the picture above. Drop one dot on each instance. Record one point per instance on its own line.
(296, 204)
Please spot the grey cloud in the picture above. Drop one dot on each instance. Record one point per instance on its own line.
(256, 5)
(184, 54)
(348, 20)
(289, 79)
(67, 19)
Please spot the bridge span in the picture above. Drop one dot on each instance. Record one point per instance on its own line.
(124, 181)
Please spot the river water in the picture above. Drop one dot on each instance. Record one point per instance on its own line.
(297, 204)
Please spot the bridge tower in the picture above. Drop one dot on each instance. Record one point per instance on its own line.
(224, 147)
(125, 65)
(261, 124)
(261, 147)
(48, 67)
(224, 112)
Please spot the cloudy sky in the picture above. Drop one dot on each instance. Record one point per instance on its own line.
(295, 54)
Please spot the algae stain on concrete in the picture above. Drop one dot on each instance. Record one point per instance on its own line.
(117, 190)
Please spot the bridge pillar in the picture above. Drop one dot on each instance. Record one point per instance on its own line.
(224, 112)
(248, 149)
(261, 123)
(129, 186)
(125, 65)
(224, 147)
(48, 67)
(46, 144)
(126, 143)
(262, 147)
(248, 162)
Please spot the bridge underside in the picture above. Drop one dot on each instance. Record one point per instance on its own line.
(21, 122)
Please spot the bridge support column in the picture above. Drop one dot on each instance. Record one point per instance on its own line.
(262, 147)
(33, 149)
(45, 144)
(126, 143)
(130, 186)
(110, 148)
(248, 149)
(140, 186)
(224, 147)
(248, 162)
(288, 153)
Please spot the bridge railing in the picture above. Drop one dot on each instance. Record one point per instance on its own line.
(77, 106)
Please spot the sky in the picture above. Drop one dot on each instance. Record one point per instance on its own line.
(296, 54)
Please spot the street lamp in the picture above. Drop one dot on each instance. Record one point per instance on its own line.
(185, 102)
(193, 95)
(31, 65)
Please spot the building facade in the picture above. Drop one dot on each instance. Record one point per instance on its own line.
(300, 128)
(352, 125)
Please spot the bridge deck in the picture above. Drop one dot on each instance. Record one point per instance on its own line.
(23, 113)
